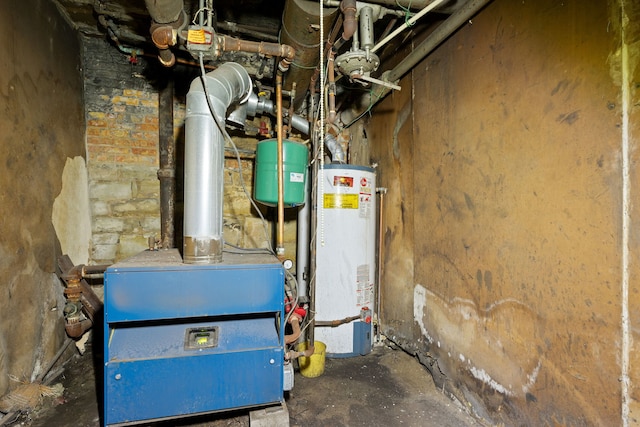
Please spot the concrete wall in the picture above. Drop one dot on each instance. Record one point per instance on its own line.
(42, 131)
(509, 156)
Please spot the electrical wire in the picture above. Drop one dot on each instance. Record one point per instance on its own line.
(361, 115)
(227, 138)
(239, 250)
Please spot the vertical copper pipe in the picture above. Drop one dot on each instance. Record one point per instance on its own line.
(332, 88)
(382, 191)
(167, 171)
(280, 233)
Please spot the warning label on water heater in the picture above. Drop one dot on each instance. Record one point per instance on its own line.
(340, 201)
(364, 290)
(366, 198)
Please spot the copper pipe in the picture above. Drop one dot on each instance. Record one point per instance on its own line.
(327, 47)
(162, 36)
(295, 325)
(332, 88)
(334, 323)
(382, 191)
(348, 8)
(280, 233)
(291, 111)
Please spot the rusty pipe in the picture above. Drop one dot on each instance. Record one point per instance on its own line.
(290, 355)
(332, 88)
(348, 9)
(283, 51)
(167, 171)
(80, 296)
(294, 321)
(163, 36)
(75, 329)
(338, 322)
(167, 16)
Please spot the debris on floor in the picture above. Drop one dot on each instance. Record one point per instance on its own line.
(387, 387)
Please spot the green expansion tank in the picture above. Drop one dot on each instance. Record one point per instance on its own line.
(295, 157)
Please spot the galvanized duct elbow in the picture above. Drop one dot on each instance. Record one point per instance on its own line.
(204, 160)
(337, 152)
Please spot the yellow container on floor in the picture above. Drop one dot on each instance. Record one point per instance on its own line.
(313, 366)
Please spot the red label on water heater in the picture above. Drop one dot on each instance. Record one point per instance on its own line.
(343, 181)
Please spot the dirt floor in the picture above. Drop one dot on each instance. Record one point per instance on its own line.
(385, 388)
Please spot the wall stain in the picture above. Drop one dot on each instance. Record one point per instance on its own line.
(562, 85)
(569, 118)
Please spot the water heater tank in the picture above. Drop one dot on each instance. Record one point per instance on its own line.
(345, 257)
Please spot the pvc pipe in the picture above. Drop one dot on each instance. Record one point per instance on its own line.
(302, 254)
(407, 24)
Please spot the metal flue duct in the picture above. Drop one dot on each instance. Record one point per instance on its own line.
(204, 160)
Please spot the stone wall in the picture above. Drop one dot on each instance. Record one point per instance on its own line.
(121, 107)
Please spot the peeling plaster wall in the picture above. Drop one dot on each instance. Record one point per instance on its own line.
(42, 126)
(505, 236)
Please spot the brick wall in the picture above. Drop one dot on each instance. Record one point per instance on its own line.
(121, 108)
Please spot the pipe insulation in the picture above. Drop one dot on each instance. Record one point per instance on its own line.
(204, 160)
(300, 29)
(164, 11)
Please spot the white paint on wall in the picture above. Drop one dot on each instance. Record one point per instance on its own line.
(71, 215)
(532, 378)
(482, 375)
(626, 221)
(419, 305)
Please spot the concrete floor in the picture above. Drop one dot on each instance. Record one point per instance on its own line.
(385, 388)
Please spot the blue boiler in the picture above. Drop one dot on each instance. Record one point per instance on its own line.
(186, 339)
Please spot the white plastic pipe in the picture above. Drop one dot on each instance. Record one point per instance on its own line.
(407, 24)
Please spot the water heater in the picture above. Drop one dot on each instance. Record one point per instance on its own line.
(345, 258)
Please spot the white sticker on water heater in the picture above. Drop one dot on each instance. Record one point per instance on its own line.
(364, 289)
(366, 205)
